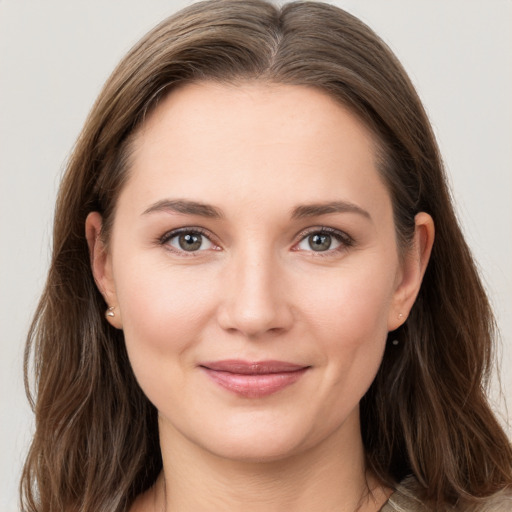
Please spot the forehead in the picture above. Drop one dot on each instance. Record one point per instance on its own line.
(219, 142)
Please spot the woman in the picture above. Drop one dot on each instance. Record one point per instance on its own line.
(272, 306)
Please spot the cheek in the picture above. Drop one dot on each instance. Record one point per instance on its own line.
(164, 317)
(349, 324)
(352, 331)
(353, 304)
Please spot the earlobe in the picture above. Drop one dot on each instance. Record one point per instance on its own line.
(413, 269)
(101, 266)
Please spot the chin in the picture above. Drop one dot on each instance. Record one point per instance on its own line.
(260, 449)
(260, 438)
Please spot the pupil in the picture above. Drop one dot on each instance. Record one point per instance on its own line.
(190, 242)
(320, 242)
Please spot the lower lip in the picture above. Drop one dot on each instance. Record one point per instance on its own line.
(254, 386)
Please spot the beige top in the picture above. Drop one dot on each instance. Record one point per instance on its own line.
(405, 499)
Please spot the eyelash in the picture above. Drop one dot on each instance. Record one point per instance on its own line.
(343, 238)
(164, 240)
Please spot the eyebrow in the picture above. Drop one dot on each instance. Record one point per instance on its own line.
(186, 207)
(317, 209)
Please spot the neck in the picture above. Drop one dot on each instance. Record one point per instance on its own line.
(330, 475)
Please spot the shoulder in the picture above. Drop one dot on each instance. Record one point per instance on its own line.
(500, 502)
(406, 499)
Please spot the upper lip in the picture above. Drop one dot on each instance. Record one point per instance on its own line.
(252, 367)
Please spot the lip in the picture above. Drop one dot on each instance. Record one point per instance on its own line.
(253, 379)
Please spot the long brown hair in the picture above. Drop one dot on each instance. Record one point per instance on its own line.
(96, 441)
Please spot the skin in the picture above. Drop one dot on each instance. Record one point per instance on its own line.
(256, 290)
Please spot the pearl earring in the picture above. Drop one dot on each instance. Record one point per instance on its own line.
(110, 312)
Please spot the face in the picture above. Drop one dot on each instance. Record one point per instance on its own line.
(254, 269)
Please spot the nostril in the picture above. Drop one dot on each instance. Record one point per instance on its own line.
(254, 323)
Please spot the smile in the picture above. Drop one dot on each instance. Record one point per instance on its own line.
(253, 379)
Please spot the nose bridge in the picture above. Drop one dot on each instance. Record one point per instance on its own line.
(254, 301)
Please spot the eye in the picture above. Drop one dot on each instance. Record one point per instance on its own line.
(323, 240)
(188, 241)
(318, 242)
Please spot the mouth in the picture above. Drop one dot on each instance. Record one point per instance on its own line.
(253, 379)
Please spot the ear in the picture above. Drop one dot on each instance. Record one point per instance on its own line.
(413, 268)
(101, 264)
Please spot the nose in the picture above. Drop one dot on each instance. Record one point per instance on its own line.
(255, 300)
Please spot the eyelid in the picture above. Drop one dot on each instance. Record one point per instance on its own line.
(345, 239)
(164, 239)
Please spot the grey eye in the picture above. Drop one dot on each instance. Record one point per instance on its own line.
(319, 242)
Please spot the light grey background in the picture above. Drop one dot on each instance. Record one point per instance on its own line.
(55, 55)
